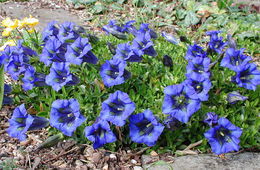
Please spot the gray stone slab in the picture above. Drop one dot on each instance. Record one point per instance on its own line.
(243, 161)
(45, 15)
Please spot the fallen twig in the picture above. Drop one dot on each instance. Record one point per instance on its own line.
(193, 145)
(62, 154)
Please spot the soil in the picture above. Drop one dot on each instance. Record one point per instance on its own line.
(66, 154)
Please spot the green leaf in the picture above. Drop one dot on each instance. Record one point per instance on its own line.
(116, 7)
(191, 19)
(98, 8)
(2, 85)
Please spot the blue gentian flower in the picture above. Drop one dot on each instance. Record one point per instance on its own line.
(143, 42)
(167, 61)
(60, 76)
(211, 118)
(172, 123)
(116, 108)
(113, 72)
(31, 79)
(144, 128)
(67, 32)
(111, 48)
(234, 58)
(112, 25)
(247, 76)
(53, 51)
(130, 28)
(127, 53)
(172, 39)
(232, 43)
(65, 116)
(114, 29)
(100, 133)
(16, 66)
(216, 44)
(144, 28)
(235, 97)
(201, 88)
(50, 30)
(198, 68)
(7, 90)
(180, 101)
(224, 137)
(195, 51)
(79, 52)
(22, 122)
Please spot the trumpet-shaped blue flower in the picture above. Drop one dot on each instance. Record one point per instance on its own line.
(130, 28)
(145, 28)
(7, 90)
(167, 61)
(114, 29)
(100, 133)
(16, 66)
(117, 108)
(235, 97)
(201, 88)
(224, 137)
(234, 58)
(127, 53)
(65, 116)
(80, 51)
(247, 76)
(144, 128)
(50, 30)
(232, 43)
(143, 42)
(22, 122)
(211, 118)
(172, 39)
(172, 123)
(67, 32)
(216, 44)
(60, 76)
(113, 72)
(195, 51)
(180, 101)
(198, 68)
(53, 51)
(31, 79)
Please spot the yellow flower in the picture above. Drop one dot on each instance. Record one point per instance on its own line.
(31, 30)
(7, 31)
(9, 42)
(10, 23)
(21, 24)
(31, 22)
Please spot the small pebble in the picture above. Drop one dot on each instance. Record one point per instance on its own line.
(133, 161)
(112, 156)
(138, 168)
(153, 153)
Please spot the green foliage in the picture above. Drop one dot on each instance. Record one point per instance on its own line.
(150, 77)
(8, 165)
(2, 85)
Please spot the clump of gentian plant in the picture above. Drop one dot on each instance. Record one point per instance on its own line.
(126, 91)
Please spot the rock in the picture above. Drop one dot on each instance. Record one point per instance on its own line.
(153, 153)
(112, 157)
(133, 161)
(78, 163)
(63, 166)
(138, 168)
(105, 167)
(96, 157)
(247, 160)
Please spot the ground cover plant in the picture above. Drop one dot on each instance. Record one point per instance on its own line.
(140, 83)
